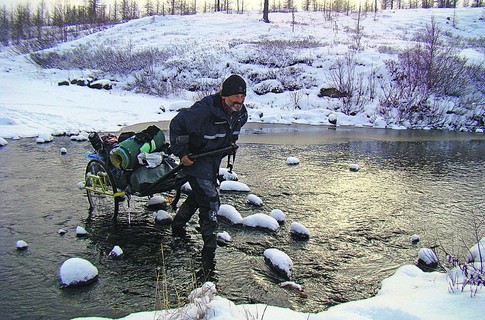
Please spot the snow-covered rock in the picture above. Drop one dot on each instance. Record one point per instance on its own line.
(80, 185)
(226, 175)
(230, 213)
(116, 252)
(261, 220)
(278, 215)
(279, 261)
(156, 201)
(61, 231)
(58, 132)
(44, 137)
(427, 258)
(291, 285)
(415, 238)
(22, 245)
(332, 118)
(477, 252)
(162, 217)
(299, 231)
(76, 272)
(223, 238)
(63, 150)
(102, 84)
(81, 232)
(234, 186)
(3, 142)
(292, 161)
(254, 200)
(82, 136)
(354, 167)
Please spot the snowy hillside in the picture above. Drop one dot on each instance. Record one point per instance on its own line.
(299, 70)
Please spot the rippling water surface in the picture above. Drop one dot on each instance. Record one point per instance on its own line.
(361, 223)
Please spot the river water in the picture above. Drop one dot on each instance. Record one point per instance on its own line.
(429, 183)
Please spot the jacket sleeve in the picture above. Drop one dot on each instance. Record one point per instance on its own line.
(185, 128)
(242, 122)
(179, 136)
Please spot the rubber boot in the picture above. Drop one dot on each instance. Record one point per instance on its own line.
(209, 252)
(183, 215)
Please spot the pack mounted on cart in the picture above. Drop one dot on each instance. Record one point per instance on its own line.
(138, 160)
(140, 163)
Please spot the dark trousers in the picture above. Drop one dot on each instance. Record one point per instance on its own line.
(205, 197)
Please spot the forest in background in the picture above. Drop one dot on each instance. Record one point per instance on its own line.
(29, 28)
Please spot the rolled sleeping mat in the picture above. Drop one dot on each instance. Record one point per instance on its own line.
(125, 155)
(120, 158)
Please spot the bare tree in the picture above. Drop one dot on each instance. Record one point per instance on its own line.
(266, 11)
(39, 19)
(58, 20)
(426, 4)
(125, 10)
(149, 9)
(4, 26)
(21, 23)
(306, 5)
(115, 16)
(135, 11)
(93, 10)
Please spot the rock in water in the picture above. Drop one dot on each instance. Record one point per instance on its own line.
(22, 245)
(254, 200)
(299, 231)
(116, 252)
(81, 232)
(162, 217)
(292, 161)
(278, 215)
(427, 259)
(354, 167)
(77, 272)
(279, 262)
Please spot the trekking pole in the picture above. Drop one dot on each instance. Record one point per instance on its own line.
(171, 173)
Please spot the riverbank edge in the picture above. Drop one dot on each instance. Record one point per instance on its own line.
(298, 134)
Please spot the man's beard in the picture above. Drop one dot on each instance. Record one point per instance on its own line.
(235, 107)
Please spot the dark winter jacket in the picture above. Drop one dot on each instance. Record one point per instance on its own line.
(205, 127)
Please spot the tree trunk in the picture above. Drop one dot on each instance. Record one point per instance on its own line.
(266, 11)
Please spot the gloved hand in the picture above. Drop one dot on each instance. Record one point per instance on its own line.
(142, 137)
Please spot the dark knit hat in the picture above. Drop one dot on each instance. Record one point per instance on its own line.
(233, 85)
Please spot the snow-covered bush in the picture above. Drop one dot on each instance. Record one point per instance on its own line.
(296, 78)
(470, 274)
(428, 75)
(268, 86)
(345, 77)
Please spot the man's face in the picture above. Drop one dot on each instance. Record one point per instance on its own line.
(235, 102)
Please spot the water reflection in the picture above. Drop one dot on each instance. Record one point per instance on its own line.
(360, 222)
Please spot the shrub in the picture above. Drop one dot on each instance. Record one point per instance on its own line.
(267, 86)
(106, 57)
(471, 273)
(426, 73)
(345, 79)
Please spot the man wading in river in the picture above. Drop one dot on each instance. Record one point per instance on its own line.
(211, 123)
